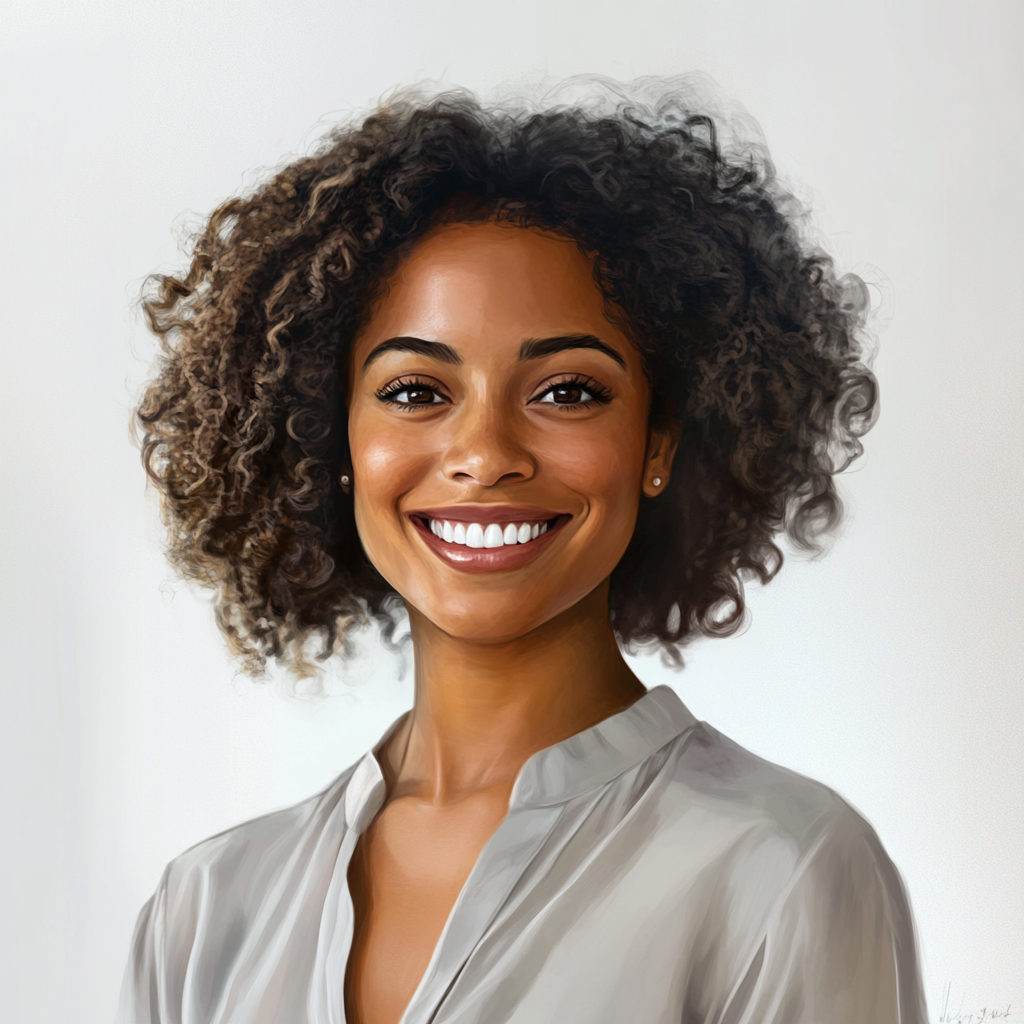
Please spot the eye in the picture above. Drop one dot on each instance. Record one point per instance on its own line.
(567, 394)
(416, 396)
(409, 394)
(573, 392)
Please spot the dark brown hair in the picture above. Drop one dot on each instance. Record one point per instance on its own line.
(750, 342)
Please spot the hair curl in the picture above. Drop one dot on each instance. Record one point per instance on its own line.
(752, 346)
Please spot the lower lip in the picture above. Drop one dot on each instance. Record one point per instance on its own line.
(510, 556)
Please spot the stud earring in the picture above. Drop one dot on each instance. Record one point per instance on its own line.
(346, 482)
(656, 481)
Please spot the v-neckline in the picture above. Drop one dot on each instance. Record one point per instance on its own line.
(545, 783)
(479, 899)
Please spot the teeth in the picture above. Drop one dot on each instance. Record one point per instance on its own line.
(492, 535)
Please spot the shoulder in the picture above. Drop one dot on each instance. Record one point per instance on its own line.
(757, 798)
(756, 831)
(797, 887)
(256, 847)
(210, 897)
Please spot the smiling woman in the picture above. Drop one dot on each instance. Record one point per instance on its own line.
(554, 380)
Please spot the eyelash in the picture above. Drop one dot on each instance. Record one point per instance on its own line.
(599, 394)
(389, 392)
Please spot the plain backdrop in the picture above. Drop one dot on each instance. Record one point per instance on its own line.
(891, 669)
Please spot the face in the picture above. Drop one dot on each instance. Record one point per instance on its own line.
(498, 427)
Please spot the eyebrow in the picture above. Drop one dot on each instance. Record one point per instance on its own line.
(433, 349)
(535, 348)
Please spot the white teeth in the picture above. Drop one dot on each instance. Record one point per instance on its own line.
(493, 535)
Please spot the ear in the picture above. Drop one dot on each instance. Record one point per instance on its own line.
(662, 442)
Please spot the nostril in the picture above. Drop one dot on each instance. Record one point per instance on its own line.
(487, 479)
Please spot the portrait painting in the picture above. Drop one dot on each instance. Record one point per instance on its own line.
(513, 513)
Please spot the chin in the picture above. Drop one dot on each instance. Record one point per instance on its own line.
(500, 619)
(495, 628)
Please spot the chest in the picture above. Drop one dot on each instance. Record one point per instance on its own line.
(405, 875)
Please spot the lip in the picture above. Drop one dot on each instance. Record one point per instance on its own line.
(477, 560)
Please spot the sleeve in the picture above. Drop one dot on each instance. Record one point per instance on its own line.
(154, 979)
(139, 1003)
(839, 946)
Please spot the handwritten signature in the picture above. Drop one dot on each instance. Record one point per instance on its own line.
(960, 1016)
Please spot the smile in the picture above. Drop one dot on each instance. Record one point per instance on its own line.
(491, 535)
(486, 539)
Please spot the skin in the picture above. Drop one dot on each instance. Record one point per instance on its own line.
(508, 661)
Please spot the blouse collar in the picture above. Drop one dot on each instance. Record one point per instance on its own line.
(599, 754)
(559, 773)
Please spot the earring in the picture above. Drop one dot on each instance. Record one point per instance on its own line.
(346, 482)
(656, 481)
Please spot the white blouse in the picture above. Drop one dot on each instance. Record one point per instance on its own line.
(649, 871)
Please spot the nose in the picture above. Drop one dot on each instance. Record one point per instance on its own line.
(486, 448)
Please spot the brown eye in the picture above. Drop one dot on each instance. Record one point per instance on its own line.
(411, 393)
(568, 395)
(573, 392)
(416, 396)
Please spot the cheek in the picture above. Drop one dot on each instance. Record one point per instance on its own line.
(384, 468)
(384, 462)
(604, 465)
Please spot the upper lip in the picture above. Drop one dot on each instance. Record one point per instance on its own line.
(489, 513)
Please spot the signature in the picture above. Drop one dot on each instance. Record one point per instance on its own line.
(961, 1016)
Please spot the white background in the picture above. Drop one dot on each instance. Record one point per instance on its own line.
(890, 669)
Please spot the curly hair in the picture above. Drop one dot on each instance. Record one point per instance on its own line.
(752, 345)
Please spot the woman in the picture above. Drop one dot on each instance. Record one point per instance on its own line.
(555, 380)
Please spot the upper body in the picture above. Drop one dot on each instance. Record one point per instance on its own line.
(648, 870)
(554, 381)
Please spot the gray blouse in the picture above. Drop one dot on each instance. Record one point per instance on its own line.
(649, 871)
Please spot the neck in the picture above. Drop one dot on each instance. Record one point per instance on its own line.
(481, 709)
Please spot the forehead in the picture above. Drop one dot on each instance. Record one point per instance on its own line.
(493, 282)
